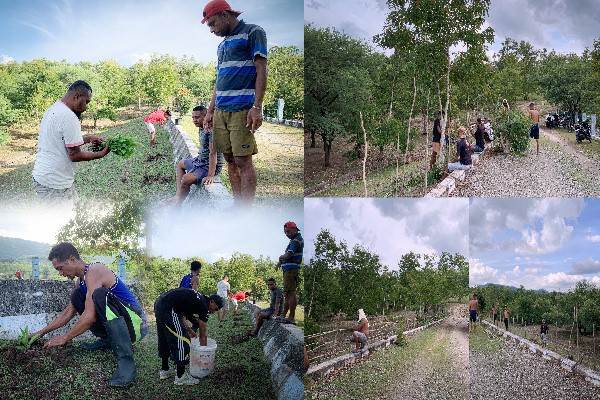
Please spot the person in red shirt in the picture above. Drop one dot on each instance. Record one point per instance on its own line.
(154, 117)
(239, 296)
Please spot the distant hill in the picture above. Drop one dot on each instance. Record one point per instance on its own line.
(14, 249)
(514, 289)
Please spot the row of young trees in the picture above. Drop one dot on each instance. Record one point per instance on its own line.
(555, 307)
(424, 74)
(27, 89)
(339, 279)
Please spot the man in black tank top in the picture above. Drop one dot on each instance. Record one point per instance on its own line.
(174, 336)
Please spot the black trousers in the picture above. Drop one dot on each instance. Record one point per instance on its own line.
(173, 339)
(108, 307)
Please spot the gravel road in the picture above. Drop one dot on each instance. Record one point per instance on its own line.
(512, 373)
(560, 170)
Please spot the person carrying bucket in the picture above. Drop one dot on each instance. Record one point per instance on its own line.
(174, 336)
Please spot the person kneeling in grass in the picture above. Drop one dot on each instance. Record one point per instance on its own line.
(106, 307)
(360, 334)
(275, 308)
(173, 333)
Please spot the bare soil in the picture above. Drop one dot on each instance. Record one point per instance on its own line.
(157, 178)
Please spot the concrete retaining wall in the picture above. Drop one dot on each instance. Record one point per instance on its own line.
(320, 370)
(35, 303)
(215, 195)
(570, 365)
(283, 346)
(446, 187)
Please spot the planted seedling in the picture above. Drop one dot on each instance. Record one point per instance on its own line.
(23, 341)
(121, 145)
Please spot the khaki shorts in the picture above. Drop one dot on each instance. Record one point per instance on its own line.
(435, 146)
(291, 279)
(230, 134)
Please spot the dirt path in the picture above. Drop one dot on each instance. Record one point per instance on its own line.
(560, 170)
(442, 371)
(501, 370)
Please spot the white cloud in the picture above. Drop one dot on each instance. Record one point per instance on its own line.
(593, 238)
(4, 59)
(516, 270)
(480, 273)
(533, 271)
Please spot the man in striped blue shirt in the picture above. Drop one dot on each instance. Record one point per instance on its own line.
(235, 110)
(290, 262)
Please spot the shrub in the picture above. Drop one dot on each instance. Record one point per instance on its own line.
(514, 129)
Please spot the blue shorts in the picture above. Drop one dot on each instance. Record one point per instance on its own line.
(534, 131)
(199, 172)
(268, 311)
(473, 315)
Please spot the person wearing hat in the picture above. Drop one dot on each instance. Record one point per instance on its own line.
(290, 263)
(463, 152)
(235, 110)
(544, 332)
(360, 333)
(173, 336)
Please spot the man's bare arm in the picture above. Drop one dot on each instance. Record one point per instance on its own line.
(76, 155)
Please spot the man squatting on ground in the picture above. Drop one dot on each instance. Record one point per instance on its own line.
(290, 262)
(473, 313)
(154, 117)
(239, 296)
(275, 307)
(173, 336)
(360, 333)
(201, 169)
(106, 307)
(235, 110)
(59, 147)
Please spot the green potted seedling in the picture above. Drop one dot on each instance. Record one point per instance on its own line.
(23, 341)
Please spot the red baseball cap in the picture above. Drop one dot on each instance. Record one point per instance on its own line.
(290, 224)
(217, 6)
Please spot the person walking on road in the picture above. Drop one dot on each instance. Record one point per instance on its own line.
(473, 314)
(534, 130)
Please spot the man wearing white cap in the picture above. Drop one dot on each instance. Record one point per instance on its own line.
(360, 334)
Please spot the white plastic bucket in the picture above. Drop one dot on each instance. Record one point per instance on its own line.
(202, 358)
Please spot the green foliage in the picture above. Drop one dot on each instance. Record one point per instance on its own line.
(514, 128)
(121, 145)
(103, 227)
(4, 136)
(434, 175)
(338, 279)
(286, 81)
(23, 341)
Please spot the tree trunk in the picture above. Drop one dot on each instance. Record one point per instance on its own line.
(327, 146)
(408, 132)
(364, 163)
(313, 143)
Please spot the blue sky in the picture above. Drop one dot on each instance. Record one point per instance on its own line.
(389, 228)
(565, 27)
(128, 30)
(538, 243)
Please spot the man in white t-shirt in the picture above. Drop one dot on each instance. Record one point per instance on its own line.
(59, 147)
(224, 290)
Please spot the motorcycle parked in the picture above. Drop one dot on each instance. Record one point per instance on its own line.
(583, 132)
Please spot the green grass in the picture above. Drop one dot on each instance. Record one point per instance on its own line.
(279, 163)
(86, 377)
(377, 377)
(479, 342)
(111, 177)
(380, 183)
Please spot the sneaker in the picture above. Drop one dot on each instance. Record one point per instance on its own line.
(186, 379)
(162, 374)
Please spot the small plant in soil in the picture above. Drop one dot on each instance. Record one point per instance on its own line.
(23, 341)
